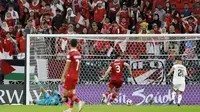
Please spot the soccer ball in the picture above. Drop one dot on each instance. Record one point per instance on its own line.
(129, 102)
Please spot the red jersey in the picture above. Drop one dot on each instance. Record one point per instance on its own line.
(1, 45)
(197, 11)
(99, 14)
(8, 46)
(113, 9)
(74, 57)
(10, 22)
(117, 70)
(22, 44)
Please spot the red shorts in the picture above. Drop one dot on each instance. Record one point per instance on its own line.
(115, 83)
(70, 83)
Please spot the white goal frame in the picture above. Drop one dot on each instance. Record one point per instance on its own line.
(27, 77)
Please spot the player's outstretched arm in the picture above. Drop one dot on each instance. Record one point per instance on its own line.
(171, 70)
(129, 68)
(39, 84)
(107, 72)
(65, 70)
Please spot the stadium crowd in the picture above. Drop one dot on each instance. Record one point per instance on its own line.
(21, 17)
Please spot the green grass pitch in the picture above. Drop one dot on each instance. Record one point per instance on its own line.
(113, 108)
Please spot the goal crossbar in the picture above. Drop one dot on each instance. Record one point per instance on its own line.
(112, 35)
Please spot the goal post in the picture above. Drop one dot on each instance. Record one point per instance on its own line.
(150, 57)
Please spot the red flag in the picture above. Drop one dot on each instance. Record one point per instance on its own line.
(6, 68)
(80, 19)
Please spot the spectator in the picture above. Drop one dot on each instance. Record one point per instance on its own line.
(70, 29)
(76, 6)
(47, 18)
(196, 13)
(56, 5)
(123, 13)
(115, 28)
(195, 4)
(26, 15)
(34, 18)
(46, 29)
(5, 27)
(161, 12)
(14, 14)
(167, 20)
(123, 24)
(21, 44)
(147, 11)
(68, 3)
(78, 28)
(35, 6)
(133, 14)
(85, 31)
(29, 27)
(13, 4)
(57, 21)
(156, 20)
(8, 46)
(113, 8)
(47, 10)
(177, 25)
(99, 14)
(63, 28)
(9, 20)
(70, 17)
(186, 11)
(174, 12)
(85, 10)
(24, 3)
(156, 29)
(189, 53)
(94, 29)
(190, 21)
(171, 29)
(168, 7)
(106, 27)
(19, 28)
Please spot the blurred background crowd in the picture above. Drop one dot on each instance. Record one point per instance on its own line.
(21, 17)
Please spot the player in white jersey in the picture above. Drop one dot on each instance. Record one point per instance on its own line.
(179, 75)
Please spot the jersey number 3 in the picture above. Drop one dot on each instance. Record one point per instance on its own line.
(180, 73)
(117, 68)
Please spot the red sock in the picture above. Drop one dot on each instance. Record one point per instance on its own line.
(113, 97)
(75, 99)
(71, 104)
(107, 93)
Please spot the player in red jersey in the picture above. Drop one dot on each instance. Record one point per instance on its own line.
(116, 79)
(70, 75)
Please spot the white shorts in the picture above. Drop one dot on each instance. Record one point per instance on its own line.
(179, 87)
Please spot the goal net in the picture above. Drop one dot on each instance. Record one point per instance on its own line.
(150, 56)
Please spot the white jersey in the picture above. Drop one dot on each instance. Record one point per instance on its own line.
(179, 74)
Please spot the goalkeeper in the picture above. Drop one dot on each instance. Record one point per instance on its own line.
(46, 99)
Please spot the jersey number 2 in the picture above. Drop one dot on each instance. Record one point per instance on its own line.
(77, 66)
(118, 68)
(180, 73)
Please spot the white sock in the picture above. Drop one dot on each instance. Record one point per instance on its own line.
(173, 95)
(179, 98)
